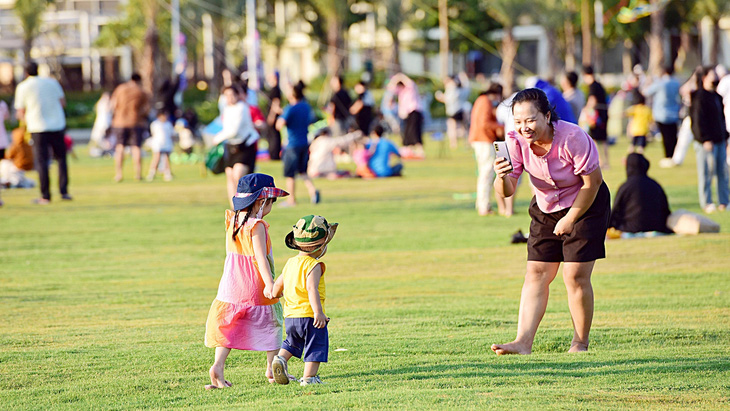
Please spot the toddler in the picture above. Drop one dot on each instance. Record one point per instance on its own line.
(640, 119)
(304, 294)
(245, 315)
(161, 132)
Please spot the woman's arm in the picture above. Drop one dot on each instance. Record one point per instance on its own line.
(586, 196)
(320, 320)
(504, 184)
(274, 111)
(258, 237)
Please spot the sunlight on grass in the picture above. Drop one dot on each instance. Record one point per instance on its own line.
(104, 300)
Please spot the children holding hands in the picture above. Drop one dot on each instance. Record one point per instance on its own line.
(246, 313)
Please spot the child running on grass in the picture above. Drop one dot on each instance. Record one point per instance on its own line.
(245, 314)
(304, 293)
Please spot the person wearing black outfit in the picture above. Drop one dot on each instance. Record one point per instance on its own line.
(708, 127)
(598, 131)
(641, 204)
(339, 107)
(362, 108)
(274, 110)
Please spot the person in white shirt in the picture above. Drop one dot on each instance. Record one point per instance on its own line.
(240, 136)
(161, 132)
(39, 102)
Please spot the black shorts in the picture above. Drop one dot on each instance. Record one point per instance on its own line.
(240, 154)
(414, 129)
(586, 242)
(129, 136)
(459, 116)
(295, 160)
(639, 141)
(598, 133)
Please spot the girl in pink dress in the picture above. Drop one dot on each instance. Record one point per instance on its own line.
(244, 314)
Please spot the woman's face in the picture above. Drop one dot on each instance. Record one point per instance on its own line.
(530, 123)
(231, 97)
(708, 82)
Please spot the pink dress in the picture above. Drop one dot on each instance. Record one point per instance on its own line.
(240, 316)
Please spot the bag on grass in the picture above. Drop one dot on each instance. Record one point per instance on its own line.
(687, 222)
(214, 159)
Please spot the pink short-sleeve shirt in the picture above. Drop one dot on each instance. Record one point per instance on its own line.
(556, 175)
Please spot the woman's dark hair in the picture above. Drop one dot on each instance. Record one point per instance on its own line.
(233, 88)
(299, 90)
(538, 98)
(572, 78)
(700, 73)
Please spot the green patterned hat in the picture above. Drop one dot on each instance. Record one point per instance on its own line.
(310, 234)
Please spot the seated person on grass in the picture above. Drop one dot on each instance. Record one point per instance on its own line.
(382, 149)
(640, 207)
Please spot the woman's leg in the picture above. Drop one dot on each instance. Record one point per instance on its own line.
(231, 184)
(721, 169)
(535, 292)
(577, 278)
(216, 371)
(704, 179)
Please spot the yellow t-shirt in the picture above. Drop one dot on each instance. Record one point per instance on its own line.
(296, 297)
(641, 119)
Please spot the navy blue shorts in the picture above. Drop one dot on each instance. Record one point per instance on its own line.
(303, 337)
(295, 160)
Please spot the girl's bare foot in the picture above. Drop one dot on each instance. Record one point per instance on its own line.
(578, 347)
(511, 348)
(216, 379)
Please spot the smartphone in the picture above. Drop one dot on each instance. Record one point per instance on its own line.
(501, 148)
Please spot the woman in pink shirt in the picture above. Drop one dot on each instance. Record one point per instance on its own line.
(570, 213)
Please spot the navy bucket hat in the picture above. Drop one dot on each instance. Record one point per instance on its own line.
(251, 187)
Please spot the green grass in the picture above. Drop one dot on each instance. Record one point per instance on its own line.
(104, 300)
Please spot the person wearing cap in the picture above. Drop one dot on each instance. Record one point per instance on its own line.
(302, 285)
(245, 315)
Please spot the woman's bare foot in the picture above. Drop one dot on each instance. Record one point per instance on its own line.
(511, 348)
(216, 379)
(578, 347)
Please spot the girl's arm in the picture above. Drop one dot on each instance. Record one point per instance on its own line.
(320, 320)
(259, 252)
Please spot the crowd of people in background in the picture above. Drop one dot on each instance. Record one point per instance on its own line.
(310, 141)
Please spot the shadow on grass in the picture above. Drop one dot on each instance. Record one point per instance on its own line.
(581, 366)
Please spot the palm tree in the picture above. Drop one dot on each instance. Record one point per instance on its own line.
(585, 29)
(334, 13)
(394, 19)
(656, 39)
(506, 12)
(714, 10)
(553, 14)
(30, 14)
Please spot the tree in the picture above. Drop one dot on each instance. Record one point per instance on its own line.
(394, 18)
(714, 10)
(335, 16)
(30, 14)
(507, 12)
(553, 14)
(656, 39)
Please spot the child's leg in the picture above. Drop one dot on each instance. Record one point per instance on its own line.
(310, 369)
(165, 159)
(269, 358)
(216, 371)
(153, 165)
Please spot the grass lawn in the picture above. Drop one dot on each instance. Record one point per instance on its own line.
(104, 300)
